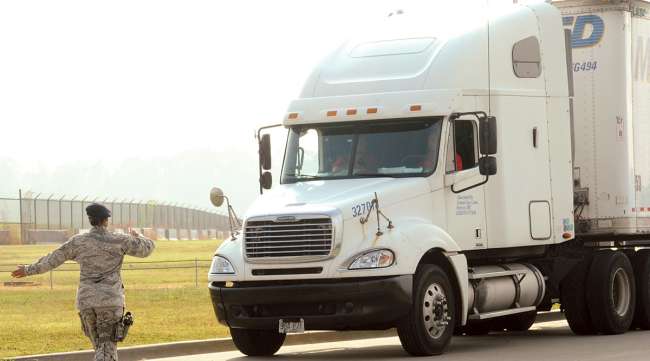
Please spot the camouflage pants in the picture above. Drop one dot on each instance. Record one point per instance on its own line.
(99, 325)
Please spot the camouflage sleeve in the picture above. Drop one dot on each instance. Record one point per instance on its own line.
(138, 246)
(52, 260)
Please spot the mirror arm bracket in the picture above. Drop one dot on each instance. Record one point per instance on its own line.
(259, 130)
(233, 220)
(480, 115)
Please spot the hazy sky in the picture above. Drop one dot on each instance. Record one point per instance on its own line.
(114, 79)
(110, 81)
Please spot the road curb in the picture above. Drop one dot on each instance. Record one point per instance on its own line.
(185, 348)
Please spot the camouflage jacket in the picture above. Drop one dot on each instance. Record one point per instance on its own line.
(100, 254)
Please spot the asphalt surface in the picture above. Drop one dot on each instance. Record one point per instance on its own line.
(549, 340)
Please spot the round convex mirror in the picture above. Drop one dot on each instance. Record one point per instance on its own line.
(216, 196)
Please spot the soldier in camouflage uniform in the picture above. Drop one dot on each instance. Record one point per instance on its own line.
(100, 297)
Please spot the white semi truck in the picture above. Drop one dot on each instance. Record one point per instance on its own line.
(448, 173)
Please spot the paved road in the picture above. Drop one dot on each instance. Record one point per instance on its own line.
(549, 341)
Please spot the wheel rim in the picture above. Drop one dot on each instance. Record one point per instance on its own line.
(435, 311)
(621, 292)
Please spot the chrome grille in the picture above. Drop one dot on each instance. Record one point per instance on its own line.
(310, 237)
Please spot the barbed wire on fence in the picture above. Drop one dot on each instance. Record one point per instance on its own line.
(34, 218)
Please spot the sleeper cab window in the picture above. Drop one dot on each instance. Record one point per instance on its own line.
(462, 147)
(526, 58)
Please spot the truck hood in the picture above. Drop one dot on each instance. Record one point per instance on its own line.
(317, 196)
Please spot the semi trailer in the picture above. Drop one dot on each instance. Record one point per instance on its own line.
(453, 173)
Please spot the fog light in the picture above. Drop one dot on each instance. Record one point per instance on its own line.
(380, 258)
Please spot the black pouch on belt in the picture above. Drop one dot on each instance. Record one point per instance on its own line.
(122, 328)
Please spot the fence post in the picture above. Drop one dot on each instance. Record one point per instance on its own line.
(61, 212)
(47, 209)
(72, 214)
(20, 217)
(196, 272)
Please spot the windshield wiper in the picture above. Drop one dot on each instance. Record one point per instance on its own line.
(303, 176)
(374, 175)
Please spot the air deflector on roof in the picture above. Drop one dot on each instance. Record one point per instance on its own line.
(391, 47)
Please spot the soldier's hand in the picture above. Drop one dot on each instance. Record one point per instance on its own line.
(20, 272)
(134, 233)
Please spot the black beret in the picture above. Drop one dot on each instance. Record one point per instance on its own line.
(97, 210)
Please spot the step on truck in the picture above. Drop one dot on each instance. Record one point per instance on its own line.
(453, 173)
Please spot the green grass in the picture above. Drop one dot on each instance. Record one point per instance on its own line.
(166, 304)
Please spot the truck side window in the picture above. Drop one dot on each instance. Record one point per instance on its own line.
(462, 146)
(526, 58)
(308, 162)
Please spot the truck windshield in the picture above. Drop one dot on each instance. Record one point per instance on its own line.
(395, 148)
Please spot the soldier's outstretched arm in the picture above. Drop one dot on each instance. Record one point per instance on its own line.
(138, 245)
(51, 261)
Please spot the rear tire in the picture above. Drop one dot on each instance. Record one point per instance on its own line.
(611, 289)
(574, 301)
(641, 264)
(429, 325)
(257, 342)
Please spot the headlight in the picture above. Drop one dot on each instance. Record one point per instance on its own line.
(380, 258)
(220, 265)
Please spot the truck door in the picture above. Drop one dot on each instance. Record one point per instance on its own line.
(465, 209)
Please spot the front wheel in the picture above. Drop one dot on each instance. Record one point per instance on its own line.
(429, 325)
(257, 342)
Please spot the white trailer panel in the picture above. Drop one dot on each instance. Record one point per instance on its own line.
(611, 123)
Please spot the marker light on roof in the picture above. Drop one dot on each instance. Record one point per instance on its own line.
(416, 108)
(371, 110)
(292, 116)
(331, 113)
(351, 112)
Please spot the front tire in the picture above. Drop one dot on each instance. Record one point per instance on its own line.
(257, 342)
(429, 325)
(611, 289)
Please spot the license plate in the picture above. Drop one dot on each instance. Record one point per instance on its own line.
(292, 326)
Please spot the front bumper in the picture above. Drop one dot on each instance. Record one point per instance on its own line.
(356, 304)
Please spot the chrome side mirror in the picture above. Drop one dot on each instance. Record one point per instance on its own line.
(216, 197)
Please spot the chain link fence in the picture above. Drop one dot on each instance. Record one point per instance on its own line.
(34, 218)
(142, 274)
